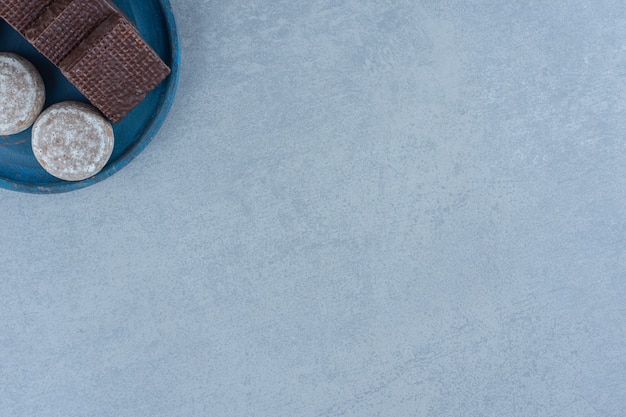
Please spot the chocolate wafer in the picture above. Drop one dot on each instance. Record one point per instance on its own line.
(96, 47)
(64, 24)
(21, 13)
(45, 19)
(114, 68)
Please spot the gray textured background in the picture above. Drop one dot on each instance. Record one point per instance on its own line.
(357, 208)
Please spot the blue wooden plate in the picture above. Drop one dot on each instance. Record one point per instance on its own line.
(20, 171)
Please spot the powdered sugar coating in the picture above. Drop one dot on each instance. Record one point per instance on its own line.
(72, 141)
(22, 94)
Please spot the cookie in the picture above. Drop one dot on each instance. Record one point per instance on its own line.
(22, 94)
(72, 141)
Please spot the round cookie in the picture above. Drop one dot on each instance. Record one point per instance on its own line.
(72, 140)
(22, 94)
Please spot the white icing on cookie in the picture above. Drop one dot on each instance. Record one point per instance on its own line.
(22, 94)
(72, 141)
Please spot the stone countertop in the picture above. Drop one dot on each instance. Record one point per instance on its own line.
(373, 208)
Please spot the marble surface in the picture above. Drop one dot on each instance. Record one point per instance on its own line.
(358, 208)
